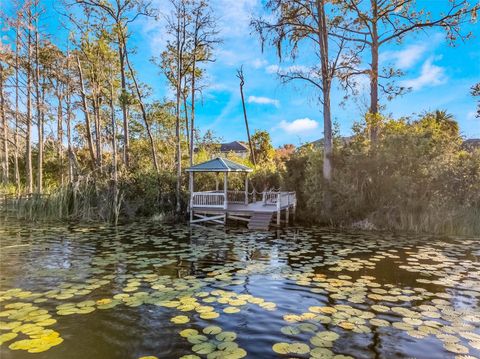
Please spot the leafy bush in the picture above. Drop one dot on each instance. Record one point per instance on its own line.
(415, 177)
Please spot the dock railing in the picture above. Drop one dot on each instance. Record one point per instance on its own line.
(280, 199)
(240, 197)
(211, 199)
(217, 199)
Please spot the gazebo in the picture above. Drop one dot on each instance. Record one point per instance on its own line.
(216, 205)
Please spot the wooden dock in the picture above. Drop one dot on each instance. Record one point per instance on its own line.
(256, 208)
(213, 207)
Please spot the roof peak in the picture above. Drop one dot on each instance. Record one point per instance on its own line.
(219, 164)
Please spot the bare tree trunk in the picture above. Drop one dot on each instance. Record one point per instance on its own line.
(114, 157)
(192, 113)
(326, 86)
(28, 141)
(242, 82)
(69, 138)
(327, 138)
(144, 115)
(114, 137)
(203, 37)
(17, 109)
(39, 106)
(178, 154)
(374, 75)
(98, 135)
(85, 111)
(121, 56)
(60, 133)
(185, 107)
(69, 119)
(5, 160)
(180, 43)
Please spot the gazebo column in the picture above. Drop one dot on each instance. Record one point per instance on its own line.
(226, 198)
(216, 181)
(246, 189)
(225, 189)
(190, 185)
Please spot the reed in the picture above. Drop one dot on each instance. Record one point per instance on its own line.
(97, 199)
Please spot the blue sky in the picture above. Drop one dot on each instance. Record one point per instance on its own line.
(439, 74)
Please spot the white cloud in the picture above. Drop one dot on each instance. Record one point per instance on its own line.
(431, 75)
(410, 56)
(258, 63)
(301, 125)
(272, 69)
(234, 16)
(233, 23)
(407, 58)
(275, 69)
(263, 100)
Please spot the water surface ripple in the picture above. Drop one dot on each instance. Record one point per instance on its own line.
(148, 289)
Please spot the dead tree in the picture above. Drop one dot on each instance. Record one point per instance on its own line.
(242, 82)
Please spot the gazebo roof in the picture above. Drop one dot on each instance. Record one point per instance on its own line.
(219, 165)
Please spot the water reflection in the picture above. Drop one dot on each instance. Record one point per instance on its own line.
(100, 292)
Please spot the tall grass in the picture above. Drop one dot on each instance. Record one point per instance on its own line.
(83, 201)
(96, 199)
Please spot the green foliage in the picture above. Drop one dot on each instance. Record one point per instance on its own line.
(262, 147)
(416, 177)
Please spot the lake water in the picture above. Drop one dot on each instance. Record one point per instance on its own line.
(148, 289)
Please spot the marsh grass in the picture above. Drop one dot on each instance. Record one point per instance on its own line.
(101, 200)
(85, 201)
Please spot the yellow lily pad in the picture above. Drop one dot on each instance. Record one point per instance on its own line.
(281, 348)
(188, 332)
(231, 310)
(298, 348)
(209, 315)
(180, 319)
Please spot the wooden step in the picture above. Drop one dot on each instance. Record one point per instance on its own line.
(260, 220)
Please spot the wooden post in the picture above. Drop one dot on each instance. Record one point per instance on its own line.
(246, 189)
(216, 181)
(225, 190)
(279, 208)
(191, 194)
(287, 210)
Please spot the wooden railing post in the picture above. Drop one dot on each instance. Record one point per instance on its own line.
(192, 195)
(279, 198)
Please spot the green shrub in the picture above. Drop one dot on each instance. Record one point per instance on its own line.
(415, 177)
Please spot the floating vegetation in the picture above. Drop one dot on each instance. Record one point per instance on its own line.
(191, 293)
